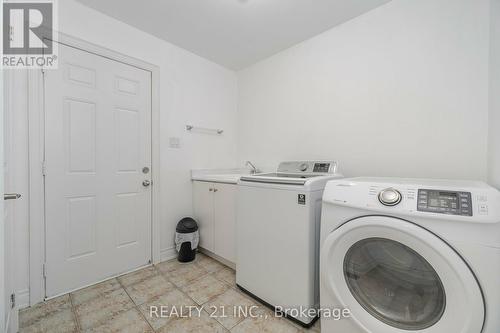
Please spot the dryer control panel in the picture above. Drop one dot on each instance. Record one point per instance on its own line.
(445, 202)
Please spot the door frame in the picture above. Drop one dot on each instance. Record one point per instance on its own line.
(4, 306)
(8, 213)
(36, 133)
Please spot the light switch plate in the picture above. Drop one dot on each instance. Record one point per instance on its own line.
(174, 142)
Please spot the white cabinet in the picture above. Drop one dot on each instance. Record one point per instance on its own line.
(215, 212)
(203, 200)
(225, 221)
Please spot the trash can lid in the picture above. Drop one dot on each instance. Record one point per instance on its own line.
(186, 225)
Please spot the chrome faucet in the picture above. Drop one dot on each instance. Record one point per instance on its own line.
(254, 169)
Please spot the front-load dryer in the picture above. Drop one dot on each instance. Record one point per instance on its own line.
(407, 255)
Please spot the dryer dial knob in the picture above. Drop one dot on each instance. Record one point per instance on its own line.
(303, 167)
(389, 197)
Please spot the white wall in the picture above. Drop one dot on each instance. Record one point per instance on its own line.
(494, 132)
(399, 91)
(193, 91)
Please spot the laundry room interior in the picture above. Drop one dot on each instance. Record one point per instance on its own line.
(250, 166)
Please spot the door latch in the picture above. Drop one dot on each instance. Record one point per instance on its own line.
(11, 196)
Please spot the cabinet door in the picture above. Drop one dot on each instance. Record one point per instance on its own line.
(225, 221)
(203, 204)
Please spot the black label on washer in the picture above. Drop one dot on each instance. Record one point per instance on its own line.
(301, 199)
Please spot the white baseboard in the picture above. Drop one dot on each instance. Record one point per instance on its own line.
(13, 324)
(22, 301)
(23, 298)
(168, 254)
(12, 321)
(218, 258)
(7, 327)
(171, 253)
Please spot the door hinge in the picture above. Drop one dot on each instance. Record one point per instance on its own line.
(43, 71)
(12, 301)
(44, 270)
(44, 169)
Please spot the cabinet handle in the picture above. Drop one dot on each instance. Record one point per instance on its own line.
(210, 189)
(215, 190)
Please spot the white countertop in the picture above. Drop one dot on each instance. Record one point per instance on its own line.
(228, 176)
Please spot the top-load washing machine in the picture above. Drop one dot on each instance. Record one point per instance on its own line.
(278, 228)
(409, 255)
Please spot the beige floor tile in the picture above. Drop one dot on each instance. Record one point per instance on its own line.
(32, 315)
(175, 304)
(195, 324)
(265, 323)
(316, 327)
(171, 265)
(209, 264)
(99, 290)
(200, 256)
(204, 289)
(62, 321)
(137, 276)
(100, 310)
(229, 308)
(184, 274)
(107, 307)
(227, 275)
(130, 321)
(148, 288)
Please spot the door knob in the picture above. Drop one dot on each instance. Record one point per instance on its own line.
(11, 196)
(146, 183)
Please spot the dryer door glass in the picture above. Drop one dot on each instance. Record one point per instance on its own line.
(394, 283)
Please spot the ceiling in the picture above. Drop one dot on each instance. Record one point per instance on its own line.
(234, 33)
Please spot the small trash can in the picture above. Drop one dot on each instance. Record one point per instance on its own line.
(186, 239)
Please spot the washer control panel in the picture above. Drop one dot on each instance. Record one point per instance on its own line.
(324, 167)
(445, 202)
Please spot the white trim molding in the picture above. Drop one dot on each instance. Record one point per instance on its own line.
(217, 257)
(36, 186)
(168, 254)
(36, 158)
(22, 299)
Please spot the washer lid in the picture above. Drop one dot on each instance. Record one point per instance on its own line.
(399, 277)
(294, 173)
(279, 178)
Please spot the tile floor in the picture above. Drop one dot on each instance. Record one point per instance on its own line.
(123, 304)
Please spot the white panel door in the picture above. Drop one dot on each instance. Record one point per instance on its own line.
(97, 142)
(203, 202)
(225, 221)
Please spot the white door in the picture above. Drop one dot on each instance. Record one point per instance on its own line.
(97, 156)
(397, 277)
(225, 221)
(203, 202)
